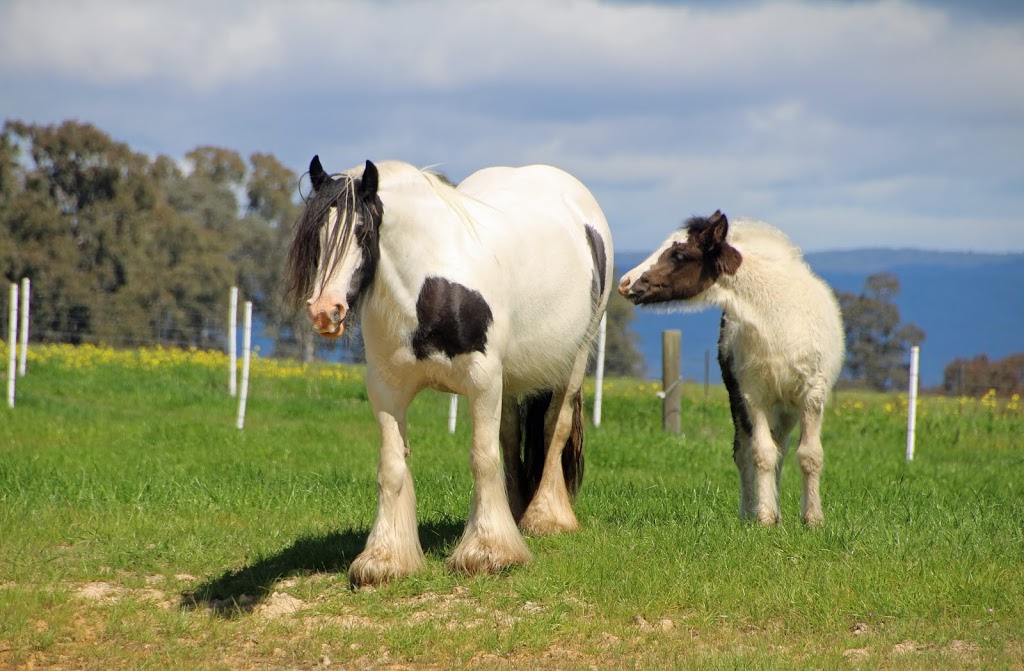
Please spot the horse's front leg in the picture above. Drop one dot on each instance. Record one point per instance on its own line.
(765, 455)
(742, 455)
(491, 541)
(393, 547)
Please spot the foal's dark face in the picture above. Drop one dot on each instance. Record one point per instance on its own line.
(686, 267)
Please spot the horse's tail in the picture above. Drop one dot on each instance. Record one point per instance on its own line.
(535, 449)
(572, 455)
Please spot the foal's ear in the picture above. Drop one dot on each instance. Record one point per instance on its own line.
(317, 174)
(719, 227)
(369, 182)
(729, 258)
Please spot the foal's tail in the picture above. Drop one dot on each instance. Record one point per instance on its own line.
(535, 450)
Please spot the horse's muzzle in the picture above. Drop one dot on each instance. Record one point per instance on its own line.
(635, 292)
(329, 325)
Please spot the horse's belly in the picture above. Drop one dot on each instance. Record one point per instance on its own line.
(541, 363)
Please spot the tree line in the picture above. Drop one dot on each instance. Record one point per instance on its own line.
(126, 249)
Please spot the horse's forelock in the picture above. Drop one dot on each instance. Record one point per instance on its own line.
(305, 252)
(696, 225)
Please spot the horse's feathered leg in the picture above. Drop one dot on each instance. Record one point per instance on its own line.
(550, 510)
(491, 541)
(393, 547)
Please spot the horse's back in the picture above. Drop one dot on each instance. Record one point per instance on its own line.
(553, 250)
(796, 339)
(534, 187)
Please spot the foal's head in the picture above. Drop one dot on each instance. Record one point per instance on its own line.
(686, 265)
(335, 248)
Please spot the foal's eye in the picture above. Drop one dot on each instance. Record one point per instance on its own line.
(678, 256)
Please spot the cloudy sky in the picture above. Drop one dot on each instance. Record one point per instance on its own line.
(847, 124)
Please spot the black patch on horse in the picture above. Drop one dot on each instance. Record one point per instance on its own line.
(740, 417)
(597, 253)
(453, 319)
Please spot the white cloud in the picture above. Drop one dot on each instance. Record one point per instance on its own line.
(887, 120)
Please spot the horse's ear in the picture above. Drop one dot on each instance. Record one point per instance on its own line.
(369, 182)
(316, 173)
(719, 227)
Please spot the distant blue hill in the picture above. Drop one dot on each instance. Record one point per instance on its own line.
(966, 303)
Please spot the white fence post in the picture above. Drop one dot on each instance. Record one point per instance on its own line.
(12, 343)
(233, 342)
(453, 411)
(246, 349)
(599, 370)
(912, 401)
(24, 325)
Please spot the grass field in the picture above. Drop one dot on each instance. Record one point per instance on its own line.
(139, 529)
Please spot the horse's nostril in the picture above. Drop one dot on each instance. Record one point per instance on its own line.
(336, 314)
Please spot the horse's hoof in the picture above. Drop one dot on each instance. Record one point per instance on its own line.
(768, 519)
(370, 569)
(536, 523)
(475, 557)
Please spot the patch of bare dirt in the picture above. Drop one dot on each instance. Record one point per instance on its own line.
(664, 624)
(279, 603)
(102, 592)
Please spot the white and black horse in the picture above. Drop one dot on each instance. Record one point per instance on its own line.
(780, 347)
(493, 290)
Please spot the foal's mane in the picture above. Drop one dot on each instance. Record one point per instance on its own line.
(753, 238)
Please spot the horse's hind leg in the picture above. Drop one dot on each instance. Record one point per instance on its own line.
(511, 442)
(812, 458)
(784, 424)
(491, 541)
(550, 510)
(393, 547)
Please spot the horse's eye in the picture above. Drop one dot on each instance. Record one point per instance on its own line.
(678, 256)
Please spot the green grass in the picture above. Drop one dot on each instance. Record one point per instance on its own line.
(140, 529)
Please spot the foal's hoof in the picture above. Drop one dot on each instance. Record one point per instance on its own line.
(768, 518)
(814, 520)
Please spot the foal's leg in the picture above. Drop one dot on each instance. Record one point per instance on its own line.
(491, 541)
(742, 455)
(784, 424)
(811, 457)
(550, 510)
(393, 547)
(766, 459)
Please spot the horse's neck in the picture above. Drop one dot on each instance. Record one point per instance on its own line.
(750, 296)
(418, 224)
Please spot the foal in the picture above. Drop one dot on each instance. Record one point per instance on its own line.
(780, 344)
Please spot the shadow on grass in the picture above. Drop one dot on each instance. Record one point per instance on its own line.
(239, 591)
